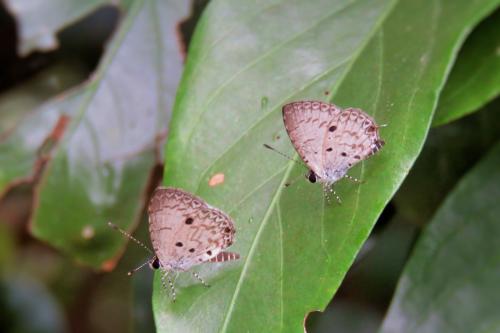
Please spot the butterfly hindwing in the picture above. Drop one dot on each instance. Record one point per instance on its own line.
(353, 137)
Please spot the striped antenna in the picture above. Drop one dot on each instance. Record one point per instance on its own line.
(139, 267)
(282, 154)
(129, 236)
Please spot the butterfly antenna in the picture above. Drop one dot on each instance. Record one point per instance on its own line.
(282, 154)
(129, 236)
(138, 268)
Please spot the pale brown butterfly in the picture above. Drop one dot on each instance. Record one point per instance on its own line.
(330, 140)
(185, 231)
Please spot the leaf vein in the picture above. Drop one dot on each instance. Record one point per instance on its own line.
(253, 246)
(271, 51)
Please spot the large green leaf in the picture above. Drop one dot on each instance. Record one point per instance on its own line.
(449, 152)
(246, 60)
(475, 78)
(369, 285)
(40, 21)
(451, 281)
(102, 165)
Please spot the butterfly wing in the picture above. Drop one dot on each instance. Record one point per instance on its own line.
(184, 230)
(306, 123)
(352, 137)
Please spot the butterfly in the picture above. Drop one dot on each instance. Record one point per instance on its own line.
(185, 231)
(330, 140)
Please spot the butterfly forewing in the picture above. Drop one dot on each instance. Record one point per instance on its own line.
(306, 123)
(184, 230)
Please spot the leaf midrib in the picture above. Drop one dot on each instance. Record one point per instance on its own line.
(253, 247)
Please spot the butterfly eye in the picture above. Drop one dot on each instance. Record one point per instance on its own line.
(155, 264)
(312, 177)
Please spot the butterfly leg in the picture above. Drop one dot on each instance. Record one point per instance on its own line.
(172, 289)
(336, 197)
(329, 191)
(196, 275)
(351, 178)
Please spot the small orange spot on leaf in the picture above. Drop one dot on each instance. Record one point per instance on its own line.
(216, 179)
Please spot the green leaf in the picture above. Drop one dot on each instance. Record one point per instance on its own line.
(23, 150)
(40, 21)
(27, 306)
(246, 60)
(449, 152)
(379, 264)
(451, 281)
(369, 283)
(475, 78)
(22, 100)
(101, 167)
(344, 316)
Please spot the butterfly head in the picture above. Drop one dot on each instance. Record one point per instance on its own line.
(154, 263)
(311, 176)
(330, 176)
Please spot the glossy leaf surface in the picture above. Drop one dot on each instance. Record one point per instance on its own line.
(449, 152)
(450, 283)
(475, 78)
